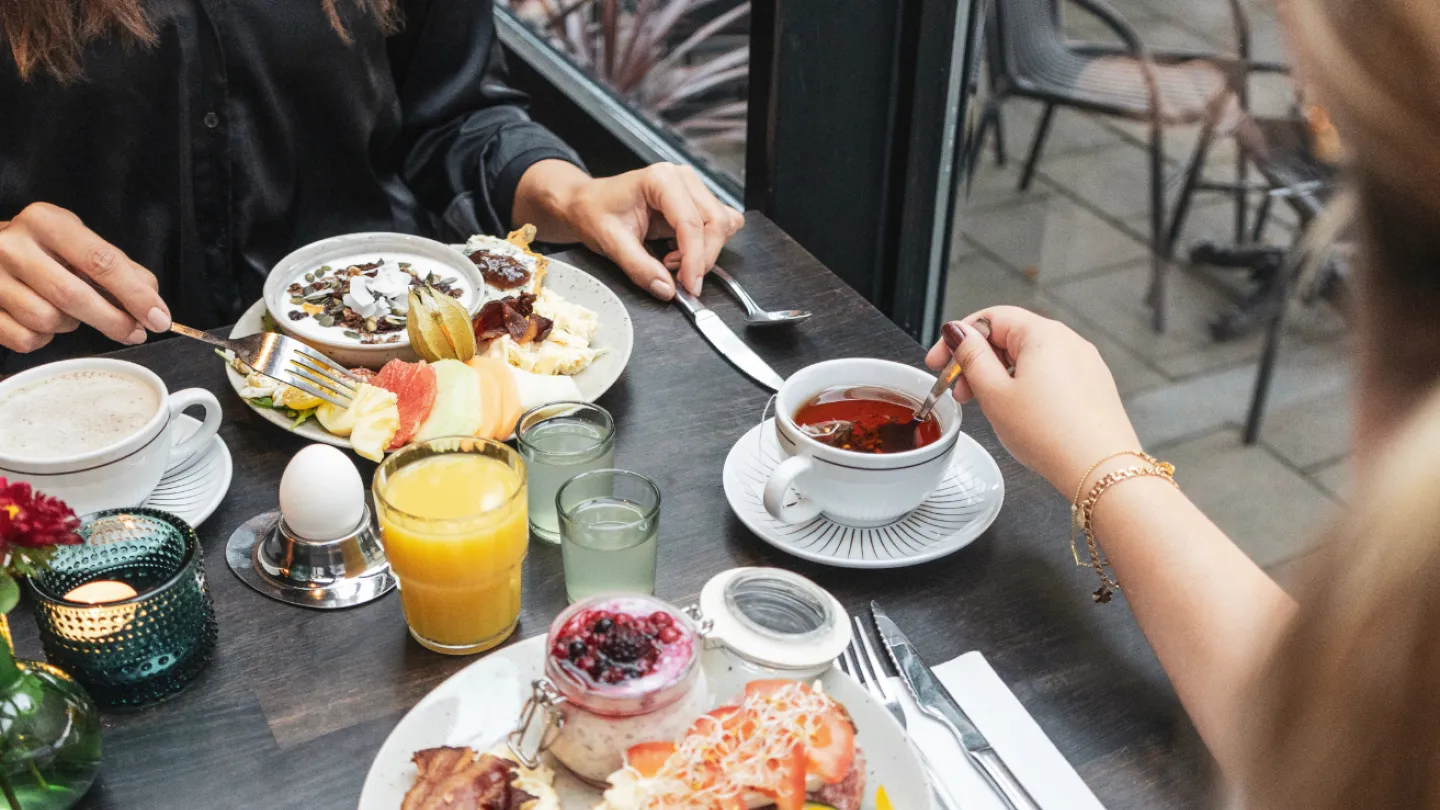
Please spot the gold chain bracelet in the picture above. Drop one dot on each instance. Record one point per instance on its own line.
(1075, 523)
(1086, 509)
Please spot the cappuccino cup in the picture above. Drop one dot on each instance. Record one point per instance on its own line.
(96, 433)
(847, 486)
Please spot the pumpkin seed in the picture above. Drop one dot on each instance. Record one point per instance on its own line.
(352, 334)
(324, 320)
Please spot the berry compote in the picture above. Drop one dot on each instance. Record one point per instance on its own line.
(629, 670)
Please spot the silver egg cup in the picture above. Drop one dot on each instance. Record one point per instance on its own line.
(325, 575)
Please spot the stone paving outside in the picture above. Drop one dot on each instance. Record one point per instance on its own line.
(1075, 248)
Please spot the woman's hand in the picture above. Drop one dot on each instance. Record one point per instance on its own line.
(1059, 412)
(613, 216)
(56, 274)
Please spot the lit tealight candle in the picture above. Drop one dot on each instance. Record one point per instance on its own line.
(101, 592)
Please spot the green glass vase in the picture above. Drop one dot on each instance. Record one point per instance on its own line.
(49, 734)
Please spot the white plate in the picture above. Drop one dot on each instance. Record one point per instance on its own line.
(960, 510)
(194, 487)
(616, 337)
(480, 704)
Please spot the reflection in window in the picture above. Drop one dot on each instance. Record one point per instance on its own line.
(683, 64)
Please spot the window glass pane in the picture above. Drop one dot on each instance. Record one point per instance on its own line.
(681, 64)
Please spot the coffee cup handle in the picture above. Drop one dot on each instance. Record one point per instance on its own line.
(779, 483)
(189, 398)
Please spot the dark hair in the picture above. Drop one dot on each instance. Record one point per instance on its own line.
(50, 35)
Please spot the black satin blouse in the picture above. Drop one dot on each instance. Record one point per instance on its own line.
(253, 128)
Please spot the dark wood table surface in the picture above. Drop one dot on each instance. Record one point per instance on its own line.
(297, 702)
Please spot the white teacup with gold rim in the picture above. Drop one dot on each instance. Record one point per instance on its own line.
(95, 432)
(850, 487)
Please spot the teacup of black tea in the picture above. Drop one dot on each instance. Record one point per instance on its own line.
(851, 446)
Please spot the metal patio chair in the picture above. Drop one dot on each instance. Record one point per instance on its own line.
(1030, 56)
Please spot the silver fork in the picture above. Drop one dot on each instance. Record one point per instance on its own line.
(287, 361)
(864, 666)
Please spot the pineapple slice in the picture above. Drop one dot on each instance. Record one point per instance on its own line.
(367, 408)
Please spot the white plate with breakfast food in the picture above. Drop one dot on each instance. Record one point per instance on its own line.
(516, 331)
(699, 729)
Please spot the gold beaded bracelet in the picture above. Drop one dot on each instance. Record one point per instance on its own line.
(1086, 513)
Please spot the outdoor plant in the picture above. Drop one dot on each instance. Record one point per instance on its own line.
(631, 45)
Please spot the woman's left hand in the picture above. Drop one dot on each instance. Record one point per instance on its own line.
(613, 216)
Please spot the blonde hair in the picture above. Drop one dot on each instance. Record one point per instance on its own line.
(1346, 714)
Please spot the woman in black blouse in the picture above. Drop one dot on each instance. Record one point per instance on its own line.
(157, 157)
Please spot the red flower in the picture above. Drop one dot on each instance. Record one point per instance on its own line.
(33, 520)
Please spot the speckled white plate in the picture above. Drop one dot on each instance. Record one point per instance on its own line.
(616, 337)
(480, 704)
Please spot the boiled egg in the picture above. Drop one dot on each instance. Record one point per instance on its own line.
(321, 494)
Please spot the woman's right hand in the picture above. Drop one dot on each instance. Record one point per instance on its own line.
(1059, 412)
(56, 274)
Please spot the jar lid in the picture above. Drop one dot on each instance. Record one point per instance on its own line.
(775, 618)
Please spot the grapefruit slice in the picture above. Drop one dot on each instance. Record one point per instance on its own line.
(415, 386)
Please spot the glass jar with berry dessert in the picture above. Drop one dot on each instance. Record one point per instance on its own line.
(619, 670)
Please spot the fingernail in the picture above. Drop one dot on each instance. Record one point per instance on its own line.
(694, 287)
(157, 319)
(135, 338)
(661, 289)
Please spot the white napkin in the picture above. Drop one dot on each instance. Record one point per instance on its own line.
(1011, 730)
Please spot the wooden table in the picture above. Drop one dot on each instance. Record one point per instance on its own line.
(297, 702)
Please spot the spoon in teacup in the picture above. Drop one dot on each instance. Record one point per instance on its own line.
(840, 431)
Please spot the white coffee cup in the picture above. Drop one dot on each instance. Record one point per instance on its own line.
(124, 472)
(857, 489)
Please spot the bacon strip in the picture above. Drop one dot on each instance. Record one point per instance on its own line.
(454, 779)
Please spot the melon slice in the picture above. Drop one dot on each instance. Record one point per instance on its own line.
(416, 387)
(457, 402)
(498, 376)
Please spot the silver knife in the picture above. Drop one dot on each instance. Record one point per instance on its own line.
(729, 346)
(935, 701)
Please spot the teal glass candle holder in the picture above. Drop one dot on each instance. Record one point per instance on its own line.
(135, 651)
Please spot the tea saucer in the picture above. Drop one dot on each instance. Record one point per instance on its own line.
(960, 510)
(193, 487)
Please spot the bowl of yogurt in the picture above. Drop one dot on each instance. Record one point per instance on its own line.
(347, 296)
(628, 670)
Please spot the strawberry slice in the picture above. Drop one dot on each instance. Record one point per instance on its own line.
(648, 758)
(832, 748)
(788, 781)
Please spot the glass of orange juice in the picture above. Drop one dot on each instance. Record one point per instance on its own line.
(454, 526)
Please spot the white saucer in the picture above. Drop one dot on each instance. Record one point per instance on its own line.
(194, 487)
(960, 510)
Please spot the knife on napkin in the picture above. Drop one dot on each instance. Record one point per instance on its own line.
(935, 700)
(726, 342)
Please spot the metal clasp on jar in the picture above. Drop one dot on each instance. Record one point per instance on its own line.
(703, 626)
(540, 720)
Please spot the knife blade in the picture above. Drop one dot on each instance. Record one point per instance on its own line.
(936, 701)
(726, 342)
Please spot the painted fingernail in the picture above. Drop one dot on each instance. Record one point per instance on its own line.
(135, 338)
(157, 319)
(661, 289)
